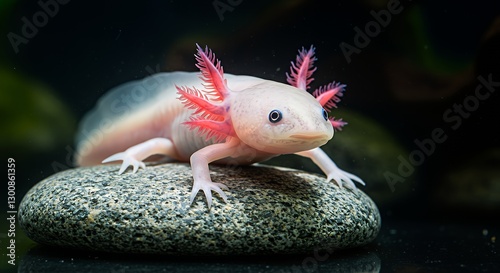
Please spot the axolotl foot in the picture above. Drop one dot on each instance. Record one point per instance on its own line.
(207, 186)
(341, 177)
(134, 155)
(128, 160)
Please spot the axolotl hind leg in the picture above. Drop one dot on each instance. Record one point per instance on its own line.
(134, 155)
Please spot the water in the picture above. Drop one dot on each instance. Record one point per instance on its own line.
(421, 80)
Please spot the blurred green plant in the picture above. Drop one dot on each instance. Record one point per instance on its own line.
(423, 48)
(33, 119)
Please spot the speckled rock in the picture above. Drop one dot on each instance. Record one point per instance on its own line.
(269, 210)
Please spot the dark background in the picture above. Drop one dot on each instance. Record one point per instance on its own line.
(426, 60)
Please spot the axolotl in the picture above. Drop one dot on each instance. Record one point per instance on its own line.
(214, 117)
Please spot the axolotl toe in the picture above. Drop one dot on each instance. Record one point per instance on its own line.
(215, 117)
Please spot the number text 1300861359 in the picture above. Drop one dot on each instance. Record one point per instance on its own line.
(11, 210)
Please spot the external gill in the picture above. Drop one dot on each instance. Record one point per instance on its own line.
(212, 73)
(210, 112)
(328, 96)
(301, 76)
(301, 71)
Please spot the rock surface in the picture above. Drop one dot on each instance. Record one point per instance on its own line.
(269, 210)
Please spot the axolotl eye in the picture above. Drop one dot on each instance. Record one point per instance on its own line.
(275, 116)
(325, 114)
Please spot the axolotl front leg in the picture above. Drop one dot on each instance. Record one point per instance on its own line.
(323, 161)
(201, 174)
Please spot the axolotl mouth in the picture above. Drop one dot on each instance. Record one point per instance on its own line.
(310, 136)
(309, 140)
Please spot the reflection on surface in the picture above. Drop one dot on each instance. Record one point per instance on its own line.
(400, 247)
(45, 259)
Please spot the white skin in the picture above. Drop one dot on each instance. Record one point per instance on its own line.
(262, 118)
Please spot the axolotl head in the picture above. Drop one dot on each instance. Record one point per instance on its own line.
(279, 119)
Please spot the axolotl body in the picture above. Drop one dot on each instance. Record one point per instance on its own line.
(215, 117)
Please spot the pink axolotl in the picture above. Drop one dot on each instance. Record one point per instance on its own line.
(214, 117)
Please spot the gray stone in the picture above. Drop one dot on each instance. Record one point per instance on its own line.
(269, 210)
